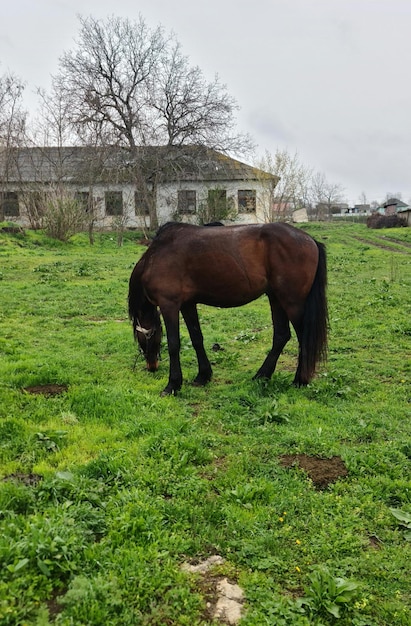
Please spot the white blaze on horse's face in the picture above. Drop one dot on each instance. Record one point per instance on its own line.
(147, 332)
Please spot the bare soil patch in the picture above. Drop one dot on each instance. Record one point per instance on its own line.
(12, 229)
(374, 542)
(30, 480)
(46, 390)
(321, 471)
(395, 240)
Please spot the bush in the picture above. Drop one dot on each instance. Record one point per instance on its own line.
(385, 221)
(64, 216)
(216, 208)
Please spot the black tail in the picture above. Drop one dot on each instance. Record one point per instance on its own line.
(313, 344)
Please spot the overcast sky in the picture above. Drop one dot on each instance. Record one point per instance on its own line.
(328, 79)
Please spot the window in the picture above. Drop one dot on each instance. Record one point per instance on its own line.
(83, 198)
(114, 202)
(187, 202)
(10, 203)
(247, 201)
(143, 200)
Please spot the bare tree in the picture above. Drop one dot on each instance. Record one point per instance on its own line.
(288, 189)
(12, 126)
(105, 78)
(325, 196)
(362, 199)
(128, 85)
(189, 110)
(12, 116)
(389, 195)
(52, 126)
(137, 87)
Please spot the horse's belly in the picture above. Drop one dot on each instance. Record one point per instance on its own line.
(228, 300)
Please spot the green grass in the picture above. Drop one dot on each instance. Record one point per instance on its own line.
(115, 487)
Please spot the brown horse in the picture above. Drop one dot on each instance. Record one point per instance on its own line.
(228, 266)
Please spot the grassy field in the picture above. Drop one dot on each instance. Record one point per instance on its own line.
(106, 489)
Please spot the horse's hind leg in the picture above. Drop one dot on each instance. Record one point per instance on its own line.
(299, 379)
(190, 315)
(282, 334)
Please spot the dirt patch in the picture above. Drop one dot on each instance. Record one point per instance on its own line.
(223, 598)
(399, 241)
(53, 604)
(15, 230)
(30, 480)
(374, 542)
(46, 390)
(321, 471)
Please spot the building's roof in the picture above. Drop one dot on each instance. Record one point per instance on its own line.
(394, 201)
(82, 165)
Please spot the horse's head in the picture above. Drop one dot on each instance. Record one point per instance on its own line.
(148, 333)
(145, 317)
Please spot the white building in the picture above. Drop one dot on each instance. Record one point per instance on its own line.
(152, 184)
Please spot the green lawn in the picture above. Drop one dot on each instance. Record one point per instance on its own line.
(107, 488)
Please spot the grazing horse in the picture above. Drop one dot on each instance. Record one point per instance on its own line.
(229, 266)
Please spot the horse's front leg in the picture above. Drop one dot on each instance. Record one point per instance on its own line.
(190, 315)
(172, 324)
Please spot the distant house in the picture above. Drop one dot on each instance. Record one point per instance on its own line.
(393, 205)
(153, 184)
(405, 214)
(360, 209)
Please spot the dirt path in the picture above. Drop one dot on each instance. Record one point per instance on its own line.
(385, 246)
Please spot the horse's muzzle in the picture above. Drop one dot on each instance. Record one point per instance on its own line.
(152, 367)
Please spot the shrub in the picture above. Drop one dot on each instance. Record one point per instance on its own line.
(63, 217)
(385, 221)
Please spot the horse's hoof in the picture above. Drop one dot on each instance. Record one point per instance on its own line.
(259, 376)
(299, 383)
(200, 382)
(168, 392)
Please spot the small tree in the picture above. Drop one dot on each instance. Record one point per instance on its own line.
(216, 208)
(286, 189)
(12, 116)
(63, 215)
(12, 124)
(324, 196)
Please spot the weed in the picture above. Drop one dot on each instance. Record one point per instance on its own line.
(404, 519)
(328, 595)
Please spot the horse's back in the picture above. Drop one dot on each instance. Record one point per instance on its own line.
(220, 266)
(179, 246)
